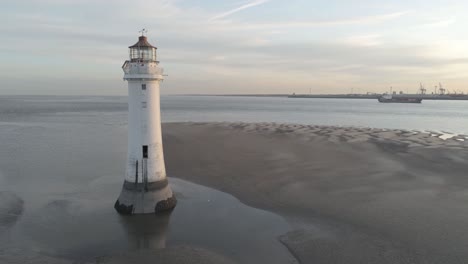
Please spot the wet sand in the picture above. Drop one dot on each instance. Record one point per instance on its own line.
(319, 195)
(352, 195)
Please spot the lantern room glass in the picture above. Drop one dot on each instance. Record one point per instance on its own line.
(143, 54)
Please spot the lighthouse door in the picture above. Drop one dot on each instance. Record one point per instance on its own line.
(145, 152)
(145, 168)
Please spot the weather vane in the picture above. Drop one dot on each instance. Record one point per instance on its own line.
(143, 32)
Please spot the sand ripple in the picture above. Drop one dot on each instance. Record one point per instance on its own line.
(410, 138)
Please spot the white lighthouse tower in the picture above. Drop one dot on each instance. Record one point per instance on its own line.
(145, 189)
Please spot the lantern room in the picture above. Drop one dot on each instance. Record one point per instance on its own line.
(142, 51)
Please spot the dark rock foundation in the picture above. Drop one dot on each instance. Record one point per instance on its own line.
(154, 197)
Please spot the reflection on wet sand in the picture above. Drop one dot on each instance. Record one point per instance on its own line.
(146, 231)
(11, 208)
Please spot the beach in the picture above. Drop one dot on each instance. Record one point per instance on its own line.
(247, 193)
(352, 195)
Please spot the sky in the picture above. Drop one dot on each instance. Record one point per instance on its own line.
(77, 47)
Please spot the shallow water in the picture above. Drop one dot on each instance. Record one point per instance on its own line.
(84, 225)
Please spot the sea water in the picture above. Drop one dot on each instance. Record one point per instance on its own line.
(437, 116)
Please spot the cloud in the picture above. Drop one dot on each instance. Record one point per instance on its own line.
(440, 23)
(306, 24)
(240, 8)
(364, 40)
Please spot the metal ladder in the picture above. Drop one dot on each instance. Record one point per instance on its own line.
(144, 171)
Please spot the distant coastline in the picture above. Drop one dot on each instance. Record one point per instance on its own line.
(344, 96)
(376, 96)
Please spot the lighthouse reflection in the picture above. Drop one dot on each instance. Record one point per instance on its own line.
(147, 231)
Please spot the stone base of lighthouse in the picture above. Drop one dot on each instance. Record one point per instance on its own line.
(145, 198)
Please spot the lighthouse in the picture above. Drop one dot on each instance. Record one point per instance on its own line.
(145, 189)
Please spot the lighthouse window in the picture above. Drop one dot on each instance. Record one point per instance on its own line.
(145, 152)
(143, 87)
(143, 104)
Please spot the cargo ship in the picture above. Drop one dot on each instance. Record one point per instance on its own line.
(388, 98)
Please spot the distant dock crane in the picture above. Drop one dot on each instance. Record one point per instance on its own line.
(441, 89)
(422, 89)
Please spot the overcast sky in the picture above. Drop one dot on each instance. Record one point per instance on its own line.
(236, 46)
